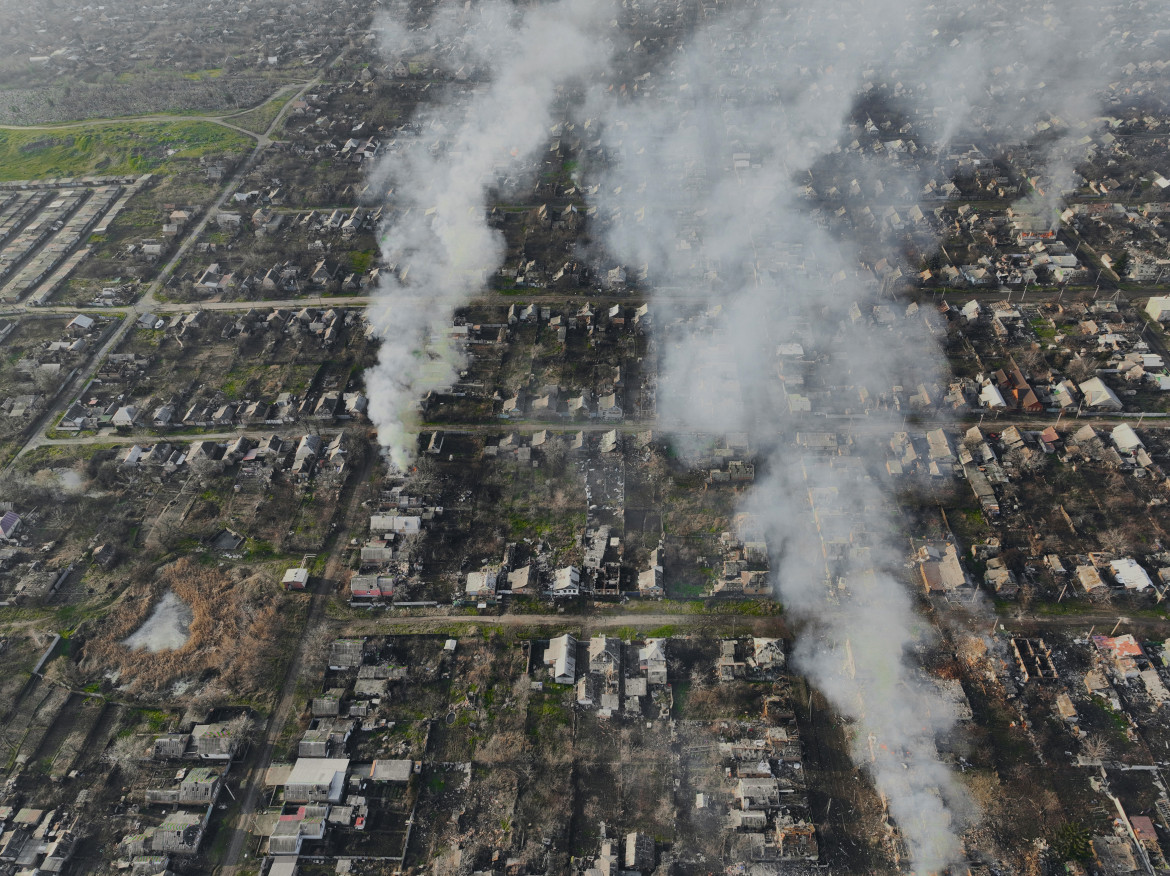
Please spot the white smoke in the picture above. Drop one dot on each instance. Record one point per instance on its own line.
(701, 190)
(437, 241)
(707, 144)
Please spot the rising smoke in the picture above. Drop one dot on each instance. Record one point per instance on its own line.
(708, 182)
(740, 177)
(477, 138)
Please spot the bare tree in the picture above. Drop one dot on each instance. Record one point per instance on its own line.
(1095, 747)
(1114, 541)
(424, 479)
(555, 455)
(206, 470)
(1081, 369)
(242, 731)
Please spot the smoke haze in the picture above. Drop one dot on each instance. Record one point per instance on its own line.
(745, 178)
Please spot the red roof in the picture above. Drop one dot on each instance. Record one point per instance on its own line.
(1122, 646)
(1142, 826)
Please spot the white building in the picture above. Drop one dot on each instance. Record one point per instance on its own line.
(482, 583)
(991, 397)
(566, 582)
(1098, 395)
(561, 658)
(1130, 575)
(1159, 308)
(1126, 439)
(316, 779)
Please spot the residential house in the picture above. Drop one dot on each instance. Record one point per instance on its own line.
(80, 325)
(482, 584)
(308, 449)
(316, 780)
(1125, 439)
(561, 658)
(347, 654)
(522, 581)
(1089, 578)
(757, 793)
(365, 589)
(1098, 396)
(652, 660)
(650, 582)
(1130, 575)
(1158, 308)
(608, 407)
(9, 524)
(566, 582)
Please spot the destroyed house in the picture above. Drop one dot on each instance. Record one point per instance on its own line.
(346, 654)
(180, 834)
(214, 741)
(797, 842)
(605, 654)
(639, 852)
(292, 829)
(172, 746)
(196, 787)
(1034, 659)
(325, 737)
(757, 793)
(364, 589)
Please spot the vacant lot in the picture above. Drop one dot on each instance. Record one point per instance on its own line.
(131, 147)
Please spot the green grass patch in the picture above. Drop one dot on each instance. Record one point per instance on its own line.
(360, 261)
(199, 75)
(680, 690)
(123, 148)
(157, 721)
(260, 118)
(1043, 330)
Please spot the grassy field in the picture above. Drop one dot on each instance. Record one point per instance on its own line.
(261, 117)
(123, 148)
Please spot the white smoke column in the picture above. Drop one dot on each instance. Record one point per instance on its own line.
(700, 190)
(437, 241)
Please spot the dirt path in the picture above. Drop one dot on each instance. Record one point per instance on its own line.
(742, 624)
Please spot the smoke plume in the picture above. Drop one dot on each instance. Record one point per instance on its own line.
(477, 138)
(759, 179)
(757, 168)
